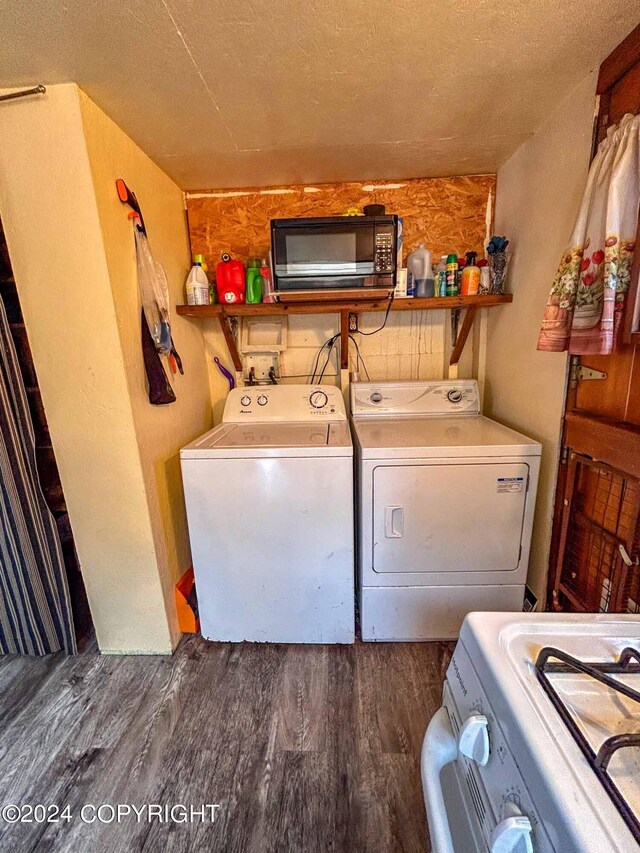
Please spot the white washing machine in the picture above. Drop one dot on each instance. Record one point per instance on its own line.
(445, 503)
(269, 496)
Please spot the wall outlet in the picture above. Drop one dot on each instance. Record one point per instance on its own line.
(353, 322)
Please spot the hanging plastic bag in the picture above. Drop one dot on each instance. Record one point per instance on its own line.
(154, 292)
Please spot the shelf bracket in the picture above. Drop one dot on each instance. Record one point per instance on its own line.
(230, 340)
(344, 340)
(463, 334)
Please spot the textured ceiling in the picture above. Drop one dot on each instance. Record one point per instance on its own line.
(224, 94)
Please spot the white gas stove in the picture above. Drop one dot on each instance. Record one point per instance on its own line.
(537, 745)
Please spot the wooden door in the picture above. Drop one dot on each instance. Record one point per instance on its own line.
(596, 540)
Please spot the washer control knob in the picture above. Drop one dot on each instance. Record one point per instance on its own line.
(245, 401)
(263, 400)
(454, 396)
(318, 399)
(473, 740)
(376, 397)
(512, 835)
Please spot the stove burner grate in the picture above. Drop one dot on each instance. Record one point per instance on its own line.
(599, 671)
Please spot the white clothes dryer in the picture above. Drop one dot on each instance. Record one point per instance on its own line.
(445, 502)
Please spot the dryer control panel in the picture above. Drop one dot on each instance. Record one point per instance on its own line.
(415, 398)
(284, 403)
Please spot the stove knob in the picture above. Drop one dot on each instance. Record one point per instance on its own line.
(318, 399)
(245, 401)
(263, 400)
(454, 396)
(512, 835)
(473, 740)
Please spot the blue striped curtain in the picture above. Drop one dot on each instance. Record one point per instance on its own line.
(35, 608)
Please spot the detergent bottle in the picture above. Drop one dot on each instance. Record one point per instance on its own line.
(254, 281)
(200, 259)
(197, 285)
(230, 280)
(419, 273)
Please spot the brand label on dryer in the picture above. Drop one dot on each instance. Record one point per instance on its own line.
(510, 484)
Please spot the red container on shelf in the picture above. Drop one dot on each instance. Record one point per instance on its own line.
(230, 280)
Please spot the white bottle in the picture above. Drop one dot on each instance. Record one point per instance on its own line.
(197, 286)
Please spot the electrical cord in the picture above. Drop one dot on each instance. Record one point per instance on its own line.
(328, 359)
(328, 343)
(391, 297)
(359, 357)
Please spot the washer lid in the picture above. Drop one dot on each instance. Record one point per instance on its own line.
(242, 441)
(439, 437)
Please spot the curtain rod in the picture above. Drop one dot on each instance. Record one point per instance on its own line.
(36, 90)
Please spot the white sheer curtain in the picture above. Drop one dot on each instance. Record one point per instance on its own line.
(584, 309)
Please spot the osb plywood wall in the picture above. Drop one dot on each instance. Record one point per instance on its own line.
(447, 214)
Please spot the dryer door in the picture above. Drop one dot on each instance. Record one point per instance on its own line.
(451, 517)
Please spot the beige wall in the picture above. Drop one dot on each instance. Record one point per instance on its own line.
(160, 430)
(73, 266)
(539, 192)
(411, 346)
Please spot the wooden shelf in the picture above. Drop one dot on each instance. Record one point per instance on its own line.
(356, 306)
(344, 308)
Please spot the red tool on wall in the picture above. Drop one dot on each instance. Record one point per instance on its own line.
(154, 292)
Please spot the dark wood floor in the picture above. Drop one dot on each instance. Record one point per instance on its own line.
(306, 748)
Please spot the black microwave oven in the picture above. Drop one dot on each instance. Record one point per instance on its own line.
(334, 252)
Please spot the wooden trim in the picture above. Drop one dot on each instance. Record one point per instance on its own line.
(558, 506)
(615, 444)
(365, 294)
(631, 328)
(572, 597)
(229, 339)
(601, 122)
(199, 311)
(344, 340)
(567, 500)
(463, 334)
(619, 61)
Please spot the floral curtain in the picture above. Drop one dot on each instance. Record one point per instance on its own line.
(584, 309)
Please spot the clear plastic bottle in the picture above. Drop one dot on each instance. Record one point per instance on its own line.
(441, 277)
(419, 273)
(197, 285)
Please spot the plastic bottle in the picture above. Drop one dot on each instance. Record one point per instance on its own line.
(254, 281)
(461, 265)
(485, 279)
(470, 283)
(419, 272)
(230, 280)
(200, 259)
(452, 275)
(197, 285)
(441, 277)
(267, 284)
